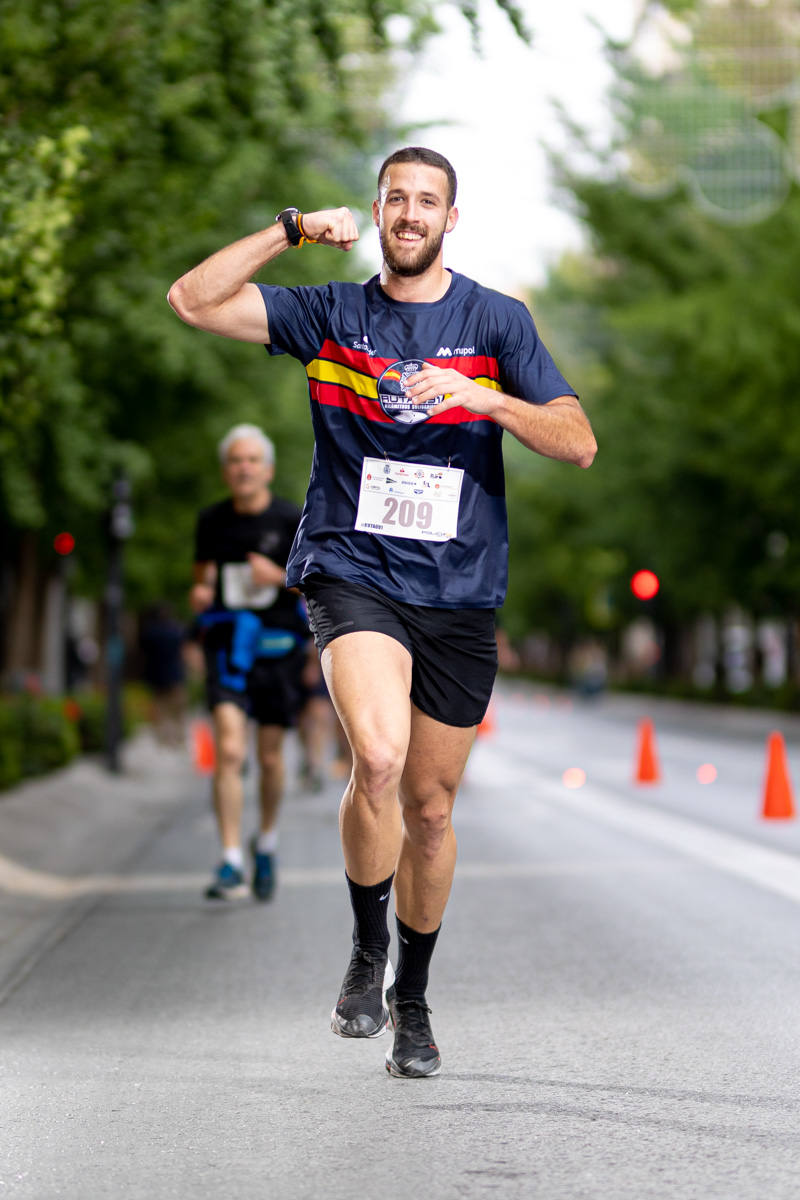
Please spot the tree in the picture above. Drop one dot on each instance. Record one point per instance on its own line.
(136, 138)
(686, 333)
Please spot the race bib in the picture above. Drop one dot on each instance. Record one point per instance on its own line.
(409, 500)
(239, 591)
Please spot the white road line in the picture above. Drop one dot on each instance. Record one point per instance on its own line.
(773, 870)
(18, 880)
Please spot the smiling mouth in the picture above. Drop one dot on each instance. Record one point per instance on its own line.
(409, 236)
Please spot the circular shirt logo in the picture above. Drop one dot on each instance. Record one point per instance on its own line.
(392, 393)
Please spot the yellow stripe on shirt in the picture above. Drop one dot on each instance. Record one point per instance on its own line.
(330, 372)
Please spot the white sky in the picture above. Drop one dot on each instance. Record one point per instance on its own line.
(496, 112)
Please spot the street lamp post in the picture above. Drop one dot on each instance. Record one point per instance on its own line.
(120, 528)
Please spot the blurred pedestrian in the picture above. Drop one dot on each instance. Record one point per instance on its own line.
(402, 551)
(255, 636)
(161, 643)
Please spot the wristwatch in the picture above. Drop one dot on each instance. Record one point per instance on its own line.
(293, 231)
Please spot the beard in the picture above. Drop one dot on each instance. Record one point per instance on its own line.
(417, 258)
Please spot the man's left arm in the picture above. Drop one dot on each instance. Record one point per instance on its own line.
(559, 429)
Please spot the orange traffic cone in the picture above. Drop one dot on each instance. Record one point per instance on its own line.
(647, 767)
(205, 755)
(778, 802)
(486, 727)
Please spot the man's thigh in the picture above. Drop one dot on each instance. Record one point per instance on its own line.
(369, 678)
(230, 726)
(435, 762)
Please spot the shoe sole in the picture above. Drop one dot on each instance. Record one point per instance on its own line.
(422, 1072)
(240, 892)
(337, 1028)
(345, 1033)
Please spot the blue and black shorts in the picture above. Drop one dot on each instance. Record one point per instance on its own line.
(272, 691)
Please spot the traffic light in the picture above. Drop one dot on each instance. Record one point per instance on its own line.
(64, 543)
(645, 585)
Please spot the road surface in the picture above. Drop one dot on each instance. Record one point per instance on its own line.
(615, 993)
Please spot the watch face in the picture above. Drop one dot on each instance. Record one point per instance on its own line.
(393, 397)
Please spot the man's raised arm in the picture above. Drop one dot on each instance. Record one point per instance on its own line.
(217, 294)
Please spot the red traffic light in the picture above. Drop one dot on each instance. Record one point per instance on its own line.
(63, 543)
(645, 585)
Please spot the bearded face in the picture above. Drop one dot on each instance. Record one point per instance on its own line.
(413, 213)
(409, 247)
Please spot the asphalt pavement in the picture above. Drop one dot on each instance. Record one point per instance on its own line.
(615, 991)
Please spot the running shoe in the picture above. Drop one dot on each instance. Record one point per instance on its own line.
(361, 1011)
(228, 884)
(415, 1053)
(264, 872)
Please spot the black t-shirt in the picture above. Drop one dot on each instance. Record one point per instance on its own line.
(225, 537)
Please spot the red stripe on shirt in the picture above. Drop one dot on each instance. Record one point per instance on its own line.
(370, 364)
(335, 395)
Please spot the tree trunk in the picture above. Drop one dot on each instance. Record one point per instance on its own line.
(23, 644)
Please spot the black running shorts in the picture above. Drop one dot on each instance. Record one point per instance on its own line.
(274, 692)
(454, 651)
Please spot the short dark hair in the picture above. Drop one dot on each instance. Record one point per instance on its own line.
(431, 158)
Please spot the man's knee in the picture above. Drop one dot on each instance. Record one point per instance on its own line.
(427, 820)
(378, 765)
(230, 753)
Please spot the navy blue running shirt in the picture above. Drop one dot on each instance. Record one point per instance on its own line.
(349, 337)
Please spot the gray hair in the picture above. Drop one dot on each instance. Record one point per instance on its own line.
(246, 431)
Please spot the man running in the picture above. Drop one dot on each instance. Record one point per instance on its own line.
(402, 549)
(255, 638)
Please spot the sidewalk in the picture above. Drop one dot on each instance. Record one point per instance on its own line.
(65, 836)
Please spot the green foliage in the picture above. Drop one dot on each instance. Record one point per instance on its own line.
(717, 115)
(135, 139)
(37, 735)
(41, 411)
(10, 747)
(683, 336)
(693, 352)
(91, 713)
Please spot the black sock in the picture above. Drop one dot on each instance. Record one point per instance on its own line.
(370, 906)
(413, 960)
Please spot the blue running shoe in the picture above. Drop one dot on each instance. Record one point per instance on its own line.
(228, 884)
(264, 872)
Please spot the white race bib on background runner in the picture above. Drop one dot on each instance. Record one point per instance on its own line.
(409, 500)
(239, 591)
